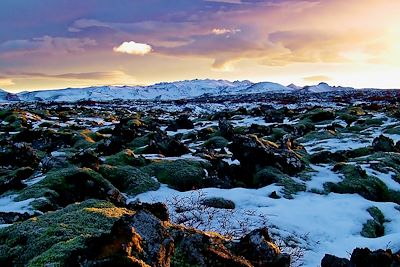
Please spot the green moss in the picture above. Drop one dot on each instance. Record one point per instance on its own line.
(216, 142)
(317, 135)
(180, 259)
(51, 238)
(65, 186)
(277, 134)
(129, 179)
(125, 157)
(374, 228)
(348, 118)
(319, 115)
(270, 175)
(140, 141)
(357, 181)
(179, 174)
(393, 130)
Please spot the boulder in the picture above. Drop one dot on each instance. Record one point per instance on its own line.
(259, 249)
(333, 261)
(219, 203)
(383, 143)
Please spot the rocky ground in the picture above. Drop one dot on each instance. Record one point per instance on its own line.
(247, 181)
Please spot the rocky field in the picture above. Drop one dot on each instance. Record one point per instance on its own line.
(304, 180)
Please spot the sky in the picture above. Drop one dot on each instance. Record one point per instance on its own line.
(74, 43)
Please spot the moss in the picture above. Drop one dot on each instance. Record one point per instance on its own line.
(179, 174)
(319, 115)
(277, 134)
(357, 181)
(270, 175)
(125, 157)
(358, 152)
(219, 203)
(180, 259)
(374, 228)
(216, 142)
(140, 141)
(348, 118)
(317, 135)
(392, 130)
(68, 185)
(129, 179)
(51, 238)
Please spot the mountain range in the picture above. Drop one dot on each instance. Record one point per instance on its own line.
(165, 91)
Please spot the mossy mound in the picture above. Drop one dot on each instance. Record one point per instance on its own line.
(356, 181)
(129, 179)
(270, 175)
(182, 175)
(125, 157)
(374, 228)
(55, 236)
(216, 142)
(65, 186)
(319, 115)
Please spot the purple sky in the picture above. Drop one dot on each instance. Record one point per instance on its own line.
(61, 43)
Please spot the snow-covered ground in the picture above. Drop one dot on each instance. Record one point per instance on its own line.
(320, 224)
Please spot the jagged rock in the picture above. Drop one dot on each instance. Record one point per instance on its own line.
(160, 210)
(274, 195)
(383, 143)
(13, 217)
(327, 156)
(333, 261)
(18, 154)
(367, 258)
(86, 159)
(226, 129)
(364, 257)
(175, 148)
(12, 179)
(219, 203)
(182, 122)
(258, 248)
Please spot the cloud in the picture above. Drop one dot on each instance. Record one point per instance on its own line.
(226, 1)
(6, 81)
(224, 31)
(133, 48)
(101, 75)
(46, 44)
(317, 78)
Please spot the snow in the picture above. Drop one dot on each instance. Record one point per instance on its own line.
(322, 175)
(387, 178)
(8, 204)
(160, 91)
(320, 223)
(336, 144)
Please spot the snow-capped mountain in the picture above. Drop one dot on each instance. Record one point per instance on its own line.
(324, 88)
(166, 91)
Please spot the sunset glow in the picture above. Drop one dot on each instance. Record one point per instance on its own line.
(61, 43)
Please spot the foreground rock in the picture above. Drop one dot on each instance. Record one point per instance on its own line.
(97, 233)
(364, 257)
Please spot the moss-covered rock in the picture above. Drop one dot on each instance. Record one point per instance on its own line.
(179, 174)
(319, 115)
(219, 203)
(55, 236)
(269, 175)
(69, 185)
(374, 228)
(357, 181)
(129, 179)
(216, 142)
(125, 157)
